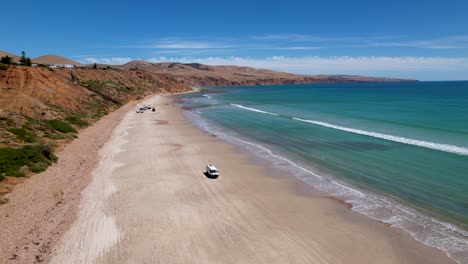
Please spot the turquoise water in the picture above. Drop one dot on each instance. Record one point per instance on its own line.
(397, 151)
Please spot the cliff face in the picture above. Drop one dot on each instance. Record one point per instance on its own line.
(28, 93)
(31, 91)
(34, 91)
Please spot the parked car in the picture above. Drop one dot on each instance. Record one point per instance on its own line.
(212, 171)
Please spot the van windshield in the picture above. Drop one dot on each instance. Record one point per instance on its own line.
(213, 171)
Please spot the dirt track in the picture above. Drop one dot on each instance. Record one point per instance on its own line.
(43, 207)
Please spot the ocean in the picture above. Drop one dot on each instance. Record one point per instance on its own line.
(398, 152)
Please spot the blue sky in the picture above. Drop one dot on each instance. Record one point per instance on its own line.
(426, 40)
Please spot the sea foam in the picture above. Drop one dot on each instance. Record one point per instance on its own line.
(254, 110)
(415, 142)
(409, 141)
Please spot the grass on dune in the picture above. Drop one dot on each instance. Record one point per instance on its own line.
(36, 157)
(75, 120)
(60, 126)
(23, 134)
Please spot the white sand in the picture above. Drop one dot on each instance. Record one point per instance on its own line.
(95, 231)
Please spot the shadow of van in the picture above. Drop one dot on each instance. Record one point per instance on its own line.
(209, 176)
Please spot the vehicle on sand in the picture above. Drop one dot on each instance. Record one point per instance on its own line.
(211, 171)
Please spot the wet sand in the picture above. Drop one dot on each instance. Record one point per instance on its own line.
(149, 202)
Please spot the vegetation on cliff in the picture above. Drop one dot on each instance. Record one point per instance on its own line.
(36, 157)
(42, 108)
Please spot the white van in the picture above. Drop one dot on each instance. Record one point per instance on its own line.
(212, 171)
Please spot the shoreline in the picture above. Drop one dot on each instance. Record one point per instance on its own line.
(168, 211)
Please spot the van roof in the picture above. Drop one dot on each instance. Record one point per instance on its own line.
(212, 167)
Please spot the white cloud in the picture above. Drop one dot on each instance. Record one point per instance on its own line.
(447, 42)
(299, 48)
(111, 61)
(451, 42)
(293, 42)
(175, 44)
(191, 52)
(417, 44)
(302, 38)
(167, 52)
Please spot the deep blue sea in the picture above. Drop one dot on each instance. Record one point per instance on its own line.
(398, 152)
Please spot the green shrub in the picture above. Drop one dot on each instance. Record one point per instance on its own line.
(12, 159)
(6, 60)
(60, 126)
(4, 67)
(28, 62)
(3, 200)
(38, 167)
(23, 134)
(55, 136)
(47, 152)
(76, 121)
(43, 128)
(2, 176)
(32, 121)
(16, 174)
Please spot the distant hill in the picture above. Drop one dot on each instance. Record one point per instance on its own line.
(196, 74)
(54, 59)
(4, 53)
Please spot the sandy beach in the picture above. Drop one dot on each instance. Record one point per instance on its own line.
(43, 208)
(149, 202)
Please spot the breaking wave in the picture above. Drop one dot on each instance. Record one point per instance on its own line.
(415, 142)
